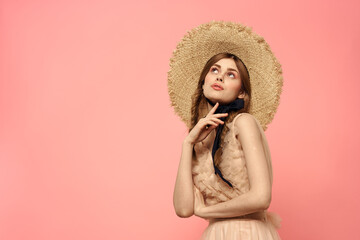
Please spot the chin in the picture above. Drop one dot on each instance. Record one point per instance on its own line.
(213, 99)
(216, 98)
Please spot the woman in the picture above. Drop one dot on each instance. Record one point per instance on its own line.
(225, 172)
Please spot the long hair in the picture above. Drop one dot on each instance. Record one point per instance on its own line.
(199, 103)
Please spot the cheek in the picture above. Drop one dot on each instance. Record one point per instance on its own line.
(207, 81)
(235, 86)
(207, 78)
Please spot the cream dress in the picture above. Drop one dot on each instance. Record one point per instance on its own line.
(260, 225)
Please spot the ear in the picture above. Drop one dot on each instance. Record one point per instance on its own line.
(241, 94)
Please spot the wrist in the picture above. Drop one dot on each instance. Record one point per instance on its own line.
(188, 142)
(202, 212)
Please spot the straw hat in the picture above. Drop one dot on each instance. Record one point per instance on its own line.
(209, 39)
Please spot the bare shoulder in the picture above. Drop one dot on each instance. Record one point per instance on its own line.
(245, 120)
(246, 124)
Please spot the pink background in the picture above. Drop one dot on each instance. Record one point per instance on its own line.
(89, 145)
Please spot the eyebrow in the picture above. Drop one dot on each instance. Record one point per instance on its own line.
(231, 69)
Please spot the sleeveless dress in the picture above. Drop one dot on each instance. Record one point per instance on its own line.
(260, 225)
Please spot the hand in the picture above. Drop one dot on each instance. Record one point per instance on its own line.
(199, 204)
(205, 125)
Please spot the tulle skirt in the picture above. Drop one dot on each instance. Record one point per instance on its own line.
(252, 227)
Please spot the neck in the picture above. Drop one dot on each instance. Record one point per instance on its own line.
(209, 107)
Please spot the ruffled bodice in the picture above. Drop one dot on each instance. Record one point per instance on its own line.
(232, 166)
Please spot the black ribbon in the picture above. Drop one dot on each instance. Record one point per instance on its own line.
(235, 105)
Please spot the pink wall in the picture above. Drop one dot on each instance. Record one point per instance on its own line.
(79, 160)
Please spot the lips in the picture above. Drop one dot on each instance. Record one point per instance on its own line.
(217, 87)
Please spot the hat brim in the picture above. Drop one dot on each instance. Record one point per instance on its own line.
(209, 39)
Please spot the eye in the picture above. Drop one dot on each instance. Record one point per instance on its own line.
(214, 70)
(232, 75)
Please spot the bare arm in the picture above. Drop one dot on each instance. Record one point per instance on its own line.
(183, 197)
(259, 196)
(183, 192)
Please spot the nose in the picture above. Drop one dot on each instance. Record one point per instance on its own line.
(219, 78)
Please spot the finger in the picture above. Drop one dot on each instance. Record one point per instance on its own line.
(220, 115)
(211, 122)
(210, 127)
(198, 195)
(201, 199)
(196, 191)
(214, 120)
(217, 120)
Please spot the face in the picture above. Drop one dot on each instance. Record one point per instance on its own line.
(222, 83)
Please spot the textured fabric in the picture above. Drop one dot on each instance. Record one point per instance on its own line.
(215, 190)
(236, 105)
